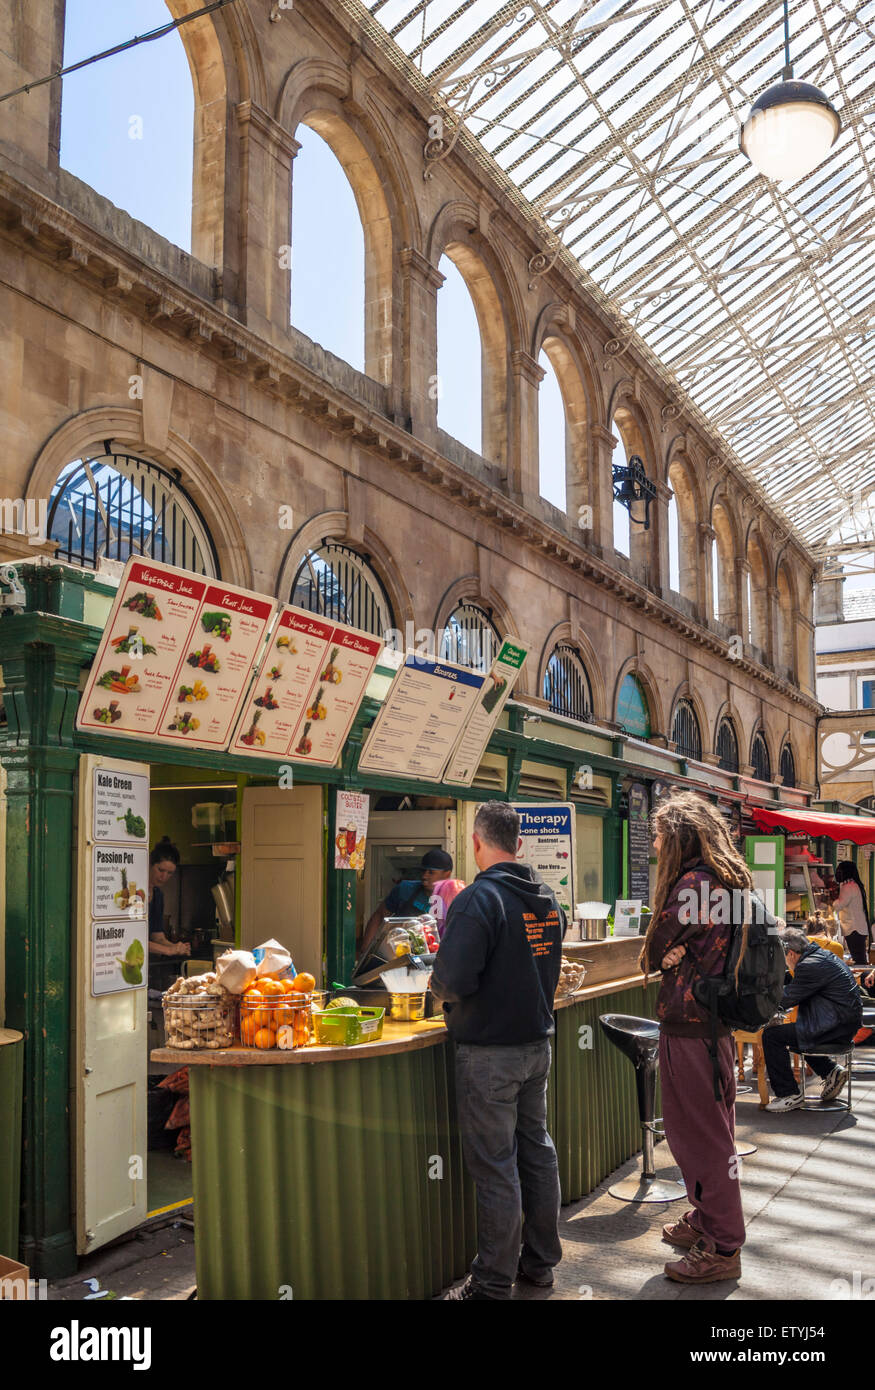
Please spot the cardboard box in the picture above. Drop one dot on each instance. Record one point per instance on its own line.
(14, 1280)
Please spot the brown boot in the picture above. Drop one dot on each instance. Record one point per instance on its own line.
(682, 1233)
(702, 1265)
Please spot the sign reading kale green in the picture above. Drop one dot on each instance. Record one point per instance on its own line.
(639, 842)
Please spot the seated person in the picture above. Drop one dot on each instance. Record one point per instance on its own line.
(814, 929)
(410, 897)
(829, 1014)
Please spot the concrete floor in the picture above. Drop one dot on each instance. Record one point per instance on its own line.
(809, 1203)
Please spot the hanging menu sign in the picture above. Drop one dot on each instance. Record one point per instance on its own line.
(421, 718)
(308, 690)
(639, 841)
(484, 716)
(176, 657)
(114, 874)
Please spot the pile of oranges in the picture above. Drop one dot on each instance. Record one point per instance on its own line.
(269, 1004)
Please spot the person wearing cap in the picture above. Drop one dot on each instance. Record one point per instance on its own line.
(410, 897)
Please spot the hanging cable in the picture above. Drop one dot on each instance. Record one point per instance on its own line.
(120, 47)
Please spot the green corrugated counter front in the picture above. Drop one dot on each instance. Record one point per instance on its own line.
(337, 1173)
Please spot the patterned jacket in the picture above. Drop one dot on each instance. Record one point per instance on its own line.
(706, 944)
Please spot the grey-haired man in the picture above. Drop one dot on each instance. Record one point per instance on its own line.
(496, 974)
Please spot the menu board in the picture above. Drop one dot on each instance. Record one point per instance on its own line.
(120, 807)
(119, 881)
(114, 868)
(310, 684)
(176, 657)
(421, 719)
(484, 716)
(639, 841)
(547, 834)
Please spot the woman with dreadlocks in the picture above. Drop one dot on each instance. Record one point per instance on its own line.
(699, 897)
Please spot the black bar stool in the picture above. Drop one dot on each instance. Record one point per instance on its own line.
(863, 1062)
(638, 1038)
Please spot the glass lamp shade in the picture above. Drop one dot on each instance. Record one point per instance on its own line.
(790, 131)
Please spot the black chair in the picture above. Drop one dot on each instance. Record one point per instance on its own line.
(638, 1038)
(863, 1060)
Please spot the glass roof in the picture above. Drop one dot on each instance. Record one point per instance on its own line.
(618, 122)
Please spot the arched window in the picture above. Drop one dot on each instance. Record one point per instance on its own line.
(115, 505)
(757, 597)
(788, 766)
(759, 756)
(459, 384)
(683, 531)
(784, 644)
(727, 745)
(337, 583)
(328, 252)
(685, 732)
(632, 710)
(725, 596)
(715, 580)
(566, 684)
(129, 133)
(470, 637)
(552, 439)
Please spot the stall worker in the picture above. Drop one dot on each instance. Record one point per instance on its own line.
(163, 862)
(410, 897)
(852, 911)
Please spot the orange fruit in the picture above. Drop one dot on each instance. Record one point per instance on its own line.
(271, 988)
(265, 1037)
(287, 986)
(248, 1029)
(304, 983)
(252, 993)
(261, 1017)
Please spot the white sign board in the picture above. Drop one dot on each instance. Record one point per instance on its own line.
(121, 806)
(484, 715)
(420, 719)
(627, 916)
(547, 833)
(351, 829)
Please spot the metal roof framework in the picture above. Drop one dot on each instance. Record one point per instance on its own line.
(618, 122)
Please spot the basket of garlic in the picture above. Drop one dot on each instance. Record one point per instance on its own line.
(572, 974)
(200, 1013)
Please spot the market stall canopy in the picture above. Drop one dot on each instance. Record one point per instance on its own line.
(859, 829)
(614, 127)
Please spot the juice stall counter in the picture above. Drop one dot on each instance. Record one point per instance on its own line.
(337, 1173)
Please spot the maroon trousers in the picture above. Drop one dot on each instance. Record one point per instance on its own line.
(701, 1133)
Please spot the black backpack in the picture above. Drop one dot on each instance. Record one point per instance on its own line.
(750, 989)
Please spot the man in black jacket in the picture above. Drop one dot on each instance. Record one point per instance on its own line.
(496, 974)
(830, 1012)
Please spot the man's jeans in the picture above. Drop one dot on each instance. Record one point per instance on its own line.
(501, 1095)
(778, 1041)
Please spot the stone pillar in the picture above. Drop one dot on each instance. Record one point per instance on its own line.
(773, 656)
(419, 381)
(523, 461)
(266, 233)
(602, 444)
(706, 537)
(740, 622)
(32, 46)
(657, 551)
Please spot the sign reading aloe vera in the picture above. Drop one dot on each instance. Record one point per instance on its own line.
(471, 745)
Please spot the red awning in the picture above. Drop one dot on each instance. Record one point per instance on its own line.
(859, 829)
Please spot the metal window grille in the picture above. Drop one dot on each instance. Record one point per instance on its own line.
(685, 732)
(566, 684)
(340, 584)
(116, 505)
(788, 766)
(727, 746)
(759, 756)
(470, 638)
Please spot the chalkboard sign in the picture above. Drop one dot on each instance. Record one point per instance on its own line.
(639, 842)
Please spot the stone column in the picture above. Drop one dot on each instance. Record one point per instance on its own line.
(602, 444)
(706, 537)
(740, 619)
(656, 553)
(773, 656)
(523, 462)
(266, 234)
(419, 384)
